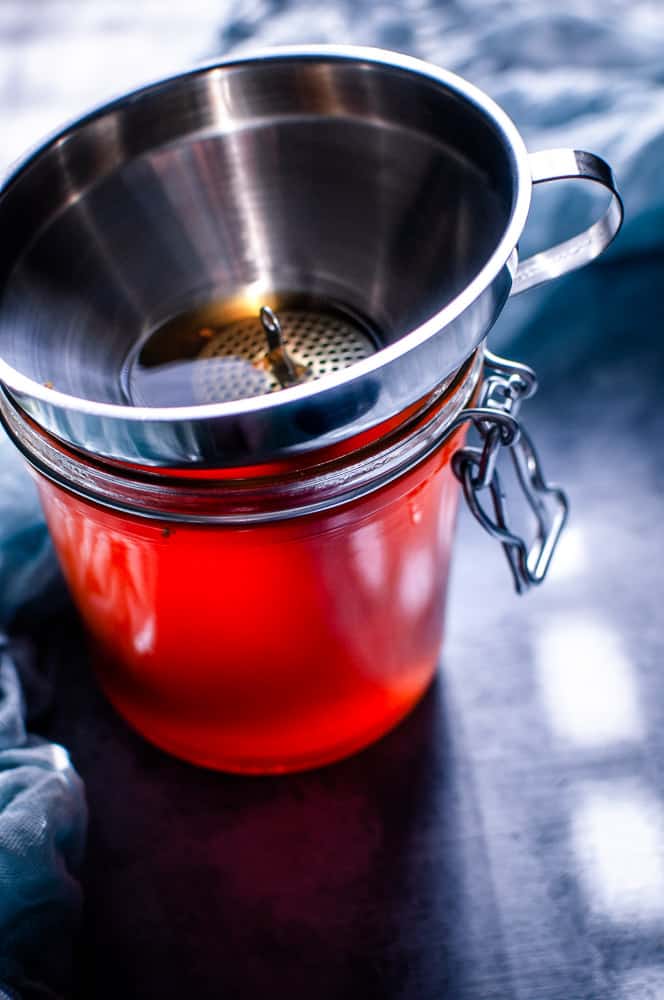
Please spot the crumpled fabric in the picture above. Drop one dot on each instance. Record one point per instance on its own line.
(42, 836)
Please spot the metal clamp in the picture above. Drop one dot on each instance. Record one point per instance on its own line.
(507, 385)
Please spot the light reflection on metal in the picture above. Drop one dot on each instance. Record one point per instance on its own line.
(618, 841)
(586, 682)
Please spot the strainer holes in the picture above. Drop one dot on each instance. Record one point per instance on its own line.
(320, 341)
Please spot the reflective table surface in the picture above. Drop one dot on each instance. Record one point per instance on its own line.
(506, 840)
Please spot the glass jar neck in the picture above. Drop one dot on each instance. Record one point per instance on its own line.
(320, 480)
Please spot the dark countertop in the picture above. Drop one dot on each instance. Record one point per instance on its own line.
(507, 839)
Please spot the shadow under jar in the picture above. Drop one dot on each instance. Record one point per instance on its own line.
(242, 326)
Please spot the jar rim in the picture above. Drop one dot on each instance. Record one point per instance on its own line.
(309, 489)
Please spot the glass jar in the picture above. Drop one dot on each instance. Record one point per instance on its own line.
(269, 619)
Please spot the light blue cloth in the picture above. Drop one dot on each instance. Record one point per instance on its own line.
(42, 833)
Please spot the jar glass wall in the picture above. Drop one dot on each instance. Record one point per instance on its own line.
(277, 645)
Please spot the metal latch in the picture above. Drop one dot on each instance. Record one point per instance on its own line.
(506, 387)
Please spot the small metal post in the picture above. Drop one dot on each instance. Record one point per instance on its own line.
(286, 369)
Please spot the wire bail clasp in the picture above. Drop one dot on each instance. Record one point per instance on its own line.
(507, 386)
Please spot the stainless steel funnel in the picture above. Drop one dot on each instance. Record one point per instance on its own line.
(376, 183)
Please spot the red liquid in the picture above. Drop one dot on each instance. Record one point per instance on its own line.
(272, 647)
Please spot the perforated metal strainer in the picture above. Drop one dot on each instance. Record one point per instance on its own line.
(237, 358)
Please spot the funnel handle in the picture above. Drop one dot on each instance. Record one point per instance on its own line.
(570, 164)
